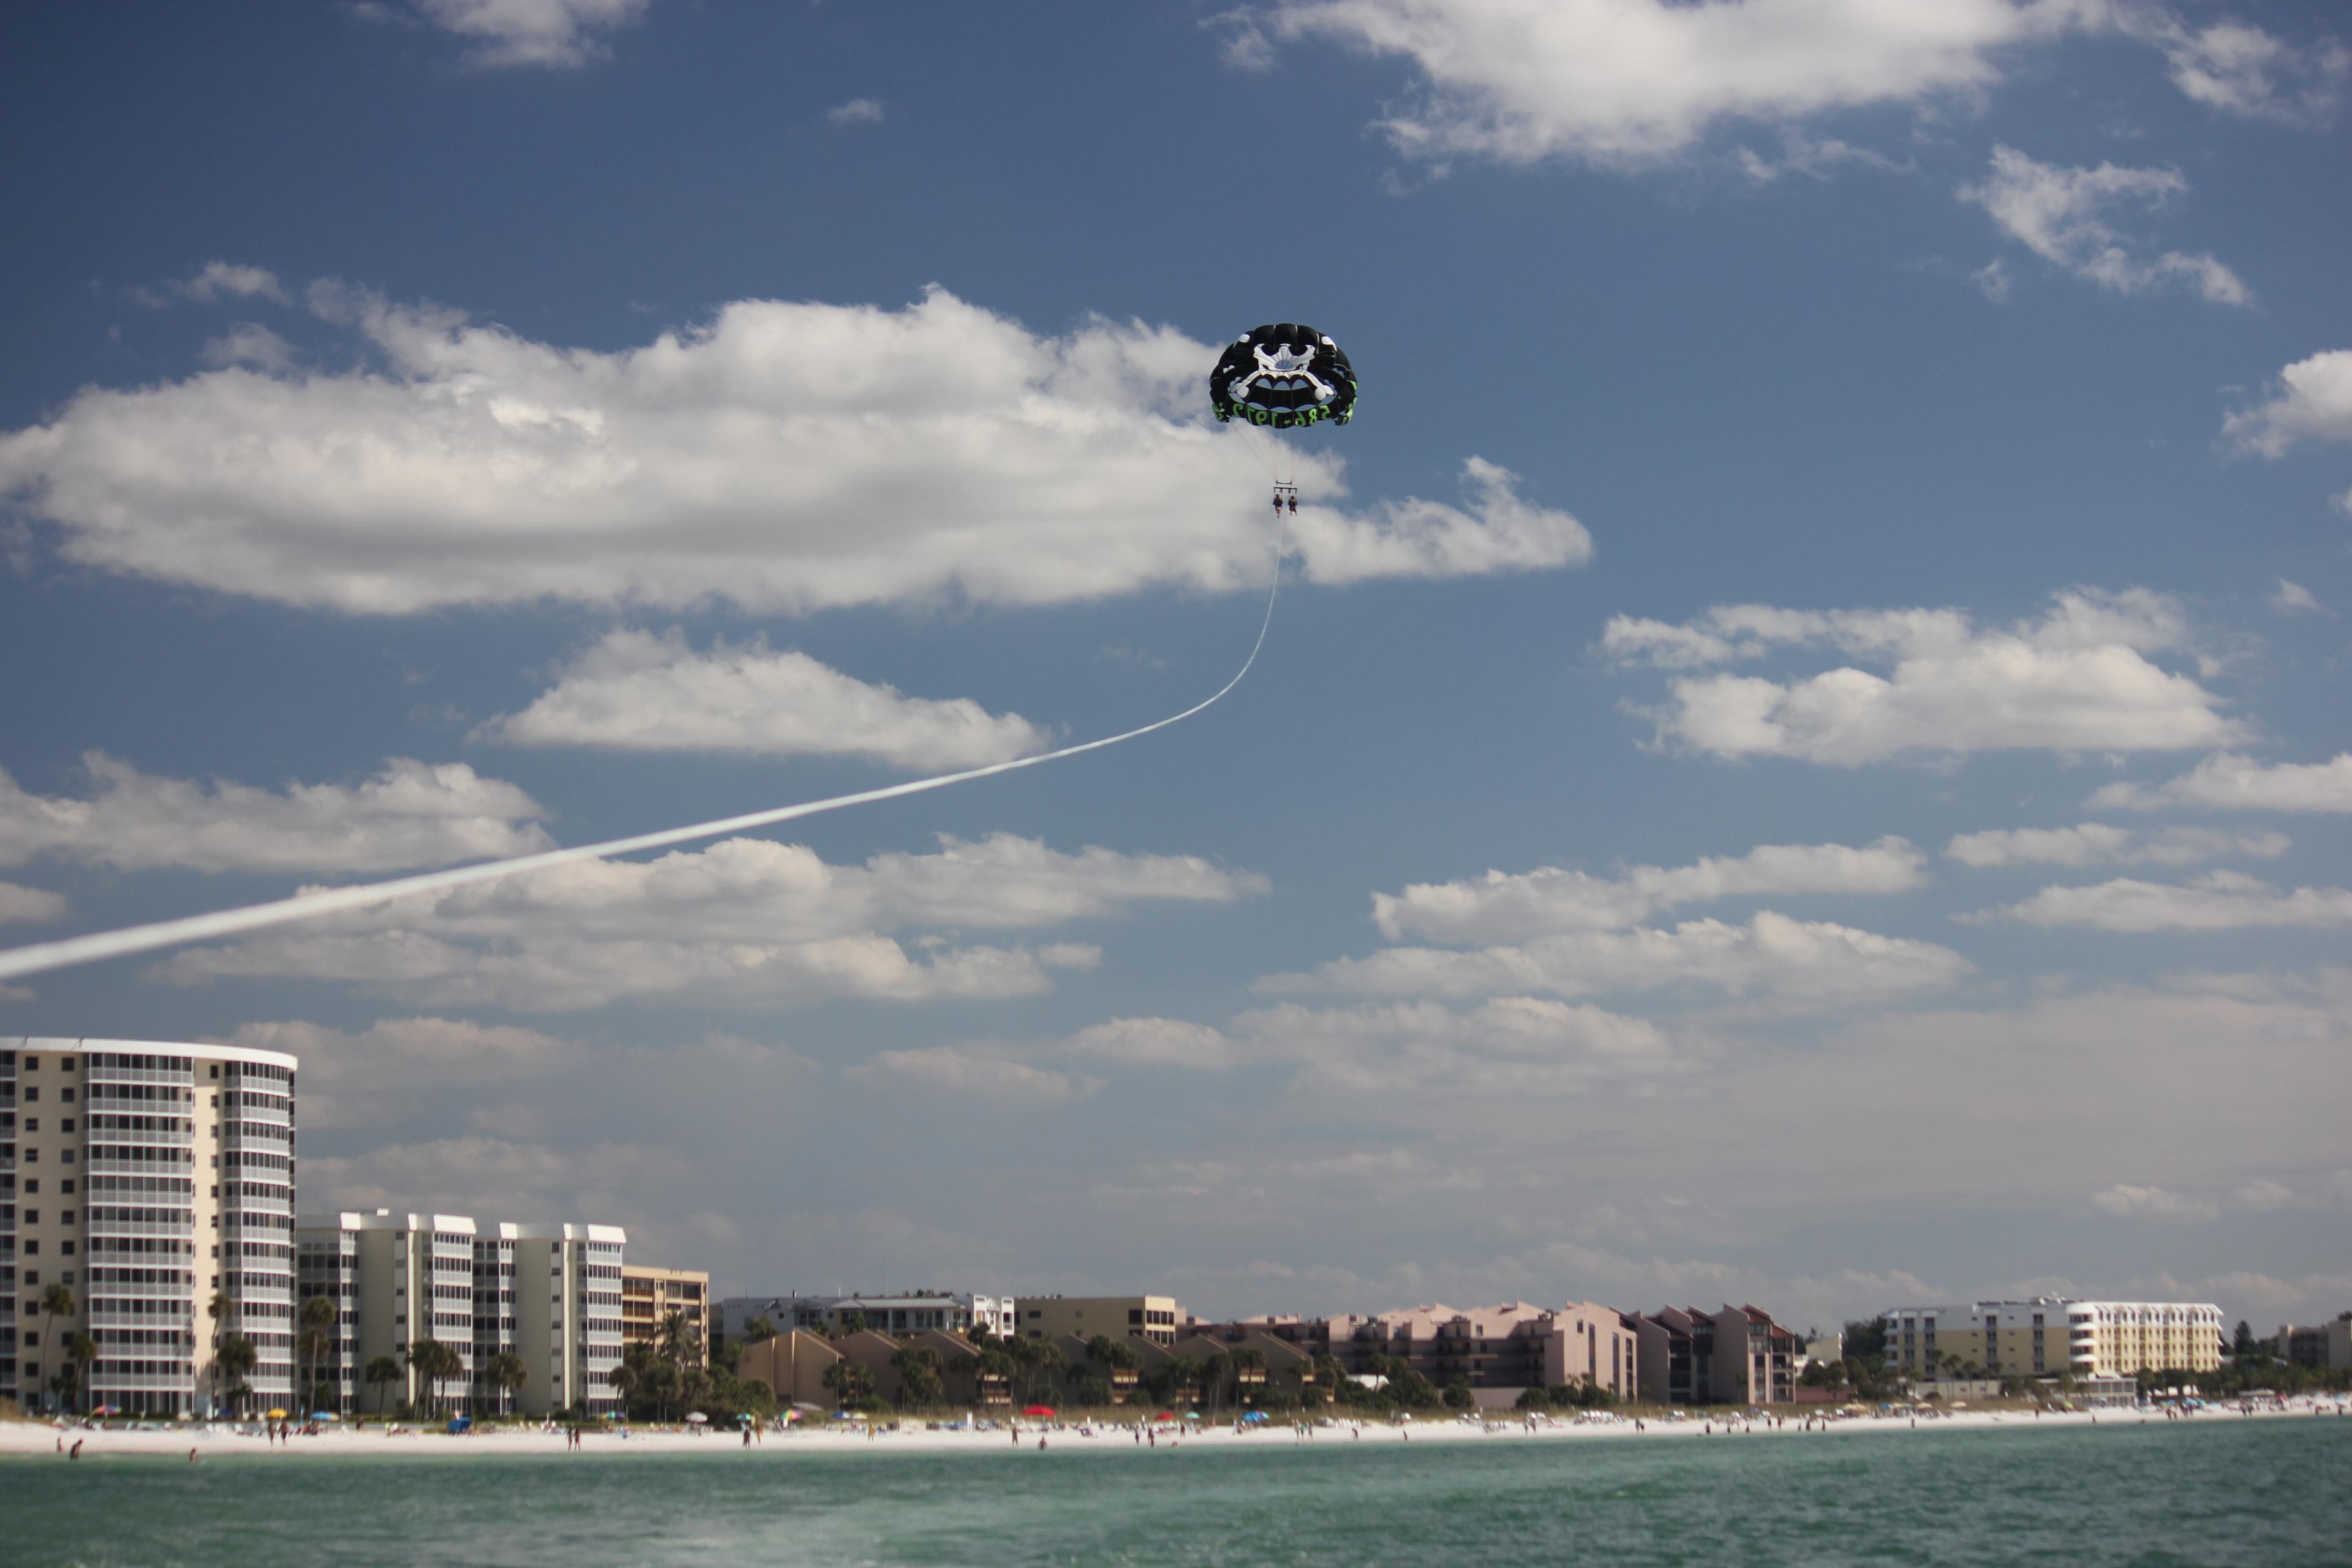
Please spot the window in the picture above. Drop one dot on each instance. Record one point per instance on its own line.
(67, 1093)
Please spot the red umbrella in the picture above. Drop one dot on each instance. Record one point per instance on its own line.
(1039, 1410)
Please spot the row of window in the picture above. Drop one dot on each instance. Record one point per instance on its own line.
(131, 1186)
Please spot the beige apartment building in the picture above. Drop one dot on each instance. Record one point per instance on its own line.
(1155, 1318)
(2051, 1336)
(149, 1180)
(649, 1295)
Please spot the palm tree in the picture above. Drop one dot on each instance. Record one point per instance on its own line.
(1212, 1378)
(995, 1366)
(1121, 1357)
(678, 1341)
(57, 1302)
(237, 1357)
(81, 1350)
(853, 1382)
(918, 1373)
(1179, 1378)
(221, 1307)
(433, 1361)
(760, 1329)
(1044, 1358)
(693, 1387)
(1249, 1370)
(509, 1374)
(382, 1370)
(658, 1381)
(625, 1380)
(316, 1338)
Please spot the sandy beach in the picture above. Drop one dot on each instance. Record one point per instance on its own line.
(208, 1440)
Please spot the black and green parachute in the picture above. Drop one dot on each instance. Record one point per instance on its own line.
(1283, 376)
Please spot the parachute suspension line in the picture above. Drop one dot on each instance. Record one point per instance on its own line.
(40, 957)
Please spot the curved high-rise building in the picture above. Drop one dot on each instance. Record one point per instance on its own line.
(146, 1226)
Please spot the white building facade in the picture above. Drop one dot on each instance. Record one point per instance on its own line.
(154, 1182)
(568, 1316)
(547, 1294)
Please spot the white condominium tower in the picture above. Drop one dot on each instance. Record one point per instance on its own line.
(549, 1294)
(146, 1189)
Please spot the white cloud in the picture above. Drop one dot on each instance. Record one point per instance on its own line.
(2231, 66)
(250, 343)
(1815, 157)
(2096, 844)
(1498, 531)
(531, 32)
(1505, 1046)
(2079, 678)
(1770, 955)
(2293, 599)
(218, 280)
(2066, 217)
(1626, 81)
(1154, 1042)
(2324, 1191)
(2219, 901)
(856, 111)
(965, 1073)
(2233, 782)
(20, 904)
(389, 1070)
(2127, 1202)
(2313, 401)
(494, 1178)
(745, 922)
(410, 814)
(637, 692)
(784, 456)
(1506, 905)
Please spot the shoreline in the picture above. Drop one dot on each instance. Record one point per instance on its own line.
(25, 1440)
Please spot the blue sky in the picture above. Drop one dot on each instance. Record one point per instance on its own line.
(1800, 755)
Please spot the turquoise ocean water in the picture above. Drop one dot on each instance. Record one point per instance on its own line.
(2206, 1493)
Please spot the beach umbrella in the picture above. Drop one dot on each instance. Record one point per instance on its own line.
(324, 1416)
(1165, 1415)
(1038, 1410)
(278, 1415)
(107, 1410)
(697, 1417)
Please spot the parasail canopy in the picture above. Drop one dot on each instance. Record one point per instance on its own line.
(1283, 375)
